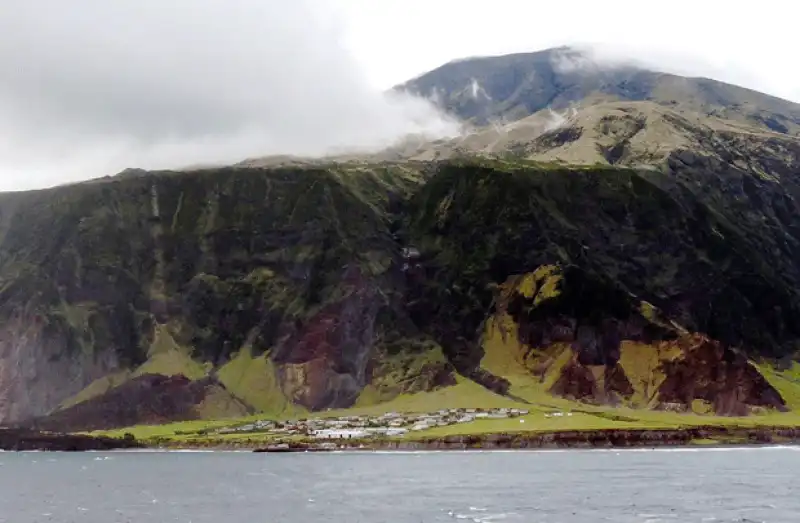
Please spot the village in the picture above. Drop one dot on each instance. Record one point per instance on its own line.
(360, 427)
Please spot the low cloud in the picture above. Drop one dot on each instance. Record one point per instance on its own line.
(597, 57)
(89, 88)
(581, 56)
(579, 59)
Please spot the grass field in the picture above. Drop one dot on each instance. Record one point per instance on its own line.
(466, 394)
(254, 379)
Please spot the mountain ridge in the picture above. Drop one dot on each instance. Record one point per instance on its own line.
(516, 85)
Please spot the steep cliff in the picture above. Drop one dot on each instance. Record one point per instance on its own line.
(187, 273)
(697, 256)
(305, 288)
(637, 262)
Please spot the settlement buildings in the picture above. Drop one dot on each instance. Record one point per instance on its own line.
(360, 427)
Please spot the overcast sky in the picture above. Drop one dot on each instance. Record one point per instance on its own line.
(89, 87)
(750, 43)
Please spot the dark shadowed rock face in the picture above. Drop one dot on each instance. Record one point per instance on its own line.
(148, 399)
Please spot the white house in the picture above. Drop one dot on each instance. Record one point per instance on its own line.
(340, 434)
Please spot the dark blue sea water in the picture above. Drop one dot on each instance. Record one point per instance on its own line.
(641, 486)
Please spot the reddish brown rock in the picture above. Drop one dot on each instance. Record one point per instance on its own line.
(724, 378)
(579, 382)
(323, 362)
(575, 382)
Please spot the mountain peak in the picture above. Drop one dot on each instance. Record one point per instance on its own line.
(506, 88)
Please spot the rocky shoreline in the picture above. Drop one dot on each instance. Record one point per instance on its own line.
(27, 440)
(575, 439)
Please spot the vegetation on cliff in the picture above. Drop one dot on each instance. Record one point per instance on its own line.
(193, 273)
(293, 289)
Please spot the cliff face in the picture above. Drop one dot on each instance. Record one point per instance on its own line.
(713, 265)
(167, 273)
(309, 288)
(602, 272)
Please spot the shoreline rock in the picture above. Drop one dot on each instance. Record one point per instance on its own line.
(576, 439)
(28, 440)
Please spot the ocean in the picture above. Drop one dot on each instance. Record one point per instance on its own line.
(620, 486)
